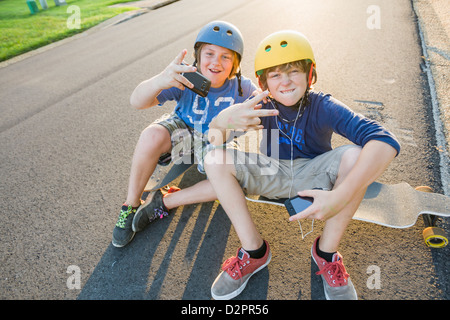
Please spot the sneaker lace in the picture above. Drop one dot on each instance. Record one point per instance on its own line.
(337, 272)
(160, 213)
(232, 266)
(123, 215)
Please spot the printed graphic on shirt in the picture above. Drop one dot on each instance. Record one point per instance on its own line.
(289, 133)
(201, 109)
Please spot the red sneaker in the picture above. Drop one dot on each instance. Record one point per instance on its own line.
(236, 273)
(337, 284)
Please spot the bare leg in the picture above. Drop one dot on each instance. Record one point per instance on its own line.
(198, 193)
(335, 227)
(359, 167)
(154, 141)
(220, 169)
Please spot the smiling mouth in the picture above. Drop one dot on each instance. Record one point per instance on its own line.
(215, 71)
(287, 91)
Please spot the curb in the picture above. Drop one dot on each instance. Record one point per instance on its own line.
(440, 107)
(145, 4)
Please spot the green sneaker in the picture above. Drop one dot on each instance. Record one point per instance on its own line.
(123, 233)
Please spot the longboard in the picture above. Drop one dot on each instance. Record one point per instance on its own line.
(398, 206)
(166, 172)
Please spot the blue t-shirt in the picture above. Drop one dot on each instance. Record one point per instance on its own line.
(312, 133)
(196, 111)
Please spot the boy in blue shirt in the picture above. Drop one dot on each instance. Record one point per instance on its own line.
(218, 51)
(301, 161)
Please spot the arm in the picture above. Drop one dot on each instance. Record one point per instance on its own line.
(374, 158)
(146, 93)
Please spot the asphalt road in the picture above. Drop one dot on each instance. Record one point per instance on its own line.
(68, 134)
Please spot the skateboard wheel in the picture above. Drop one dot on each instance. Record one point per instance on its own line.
(424, 189)
(435, 237)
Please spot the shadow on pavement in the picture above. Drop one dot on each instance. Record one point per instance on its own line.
(130, 273)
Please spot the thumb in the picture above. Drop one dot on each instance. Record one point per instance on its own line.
(309, 210)
(307, 193)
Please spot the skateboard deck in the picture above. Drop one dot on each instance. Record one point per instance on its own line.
(167, 171)
(398, 206)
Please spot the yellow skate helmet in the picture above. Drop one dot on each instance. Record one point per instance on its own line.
(283, 47)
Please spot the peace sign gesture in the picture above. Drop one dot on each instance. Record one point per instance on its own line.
(239, 117)
(146, 93)
(171, 76)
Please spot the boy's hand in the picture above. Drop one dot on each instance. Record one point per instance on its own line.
(171, 76)
(258, 91)
(326, 205)
(244, 116)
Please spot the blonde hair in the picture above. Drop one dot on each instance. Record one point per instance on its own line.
(234, 70)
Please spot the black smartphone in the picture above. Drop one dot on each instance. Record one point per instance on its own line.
(297, 204)
(200, 82)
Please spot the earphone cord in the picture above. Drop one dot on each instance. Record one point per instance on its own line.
(299, 114)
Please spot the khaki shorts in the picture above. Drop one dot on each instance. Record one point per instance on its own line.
(259, 174)
(186, 141)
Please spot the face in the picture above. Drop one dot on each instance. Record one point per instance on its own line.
(216, 64)
(287, 87)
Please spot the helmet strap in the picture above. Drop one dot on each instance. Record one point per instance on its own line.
(238, 76)
(259, 82)
(310, 75)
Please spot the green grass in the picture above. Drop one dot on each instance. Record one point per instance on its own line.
(21, 31)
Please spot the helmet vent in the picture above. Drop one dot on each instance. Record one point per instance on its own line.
(230, 33)
(268, 48)
(283, 44)
(216, 29)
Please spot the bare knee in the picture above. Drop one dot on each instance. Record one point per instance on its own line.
(218, 161)
(348, 160)
(155, 138)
